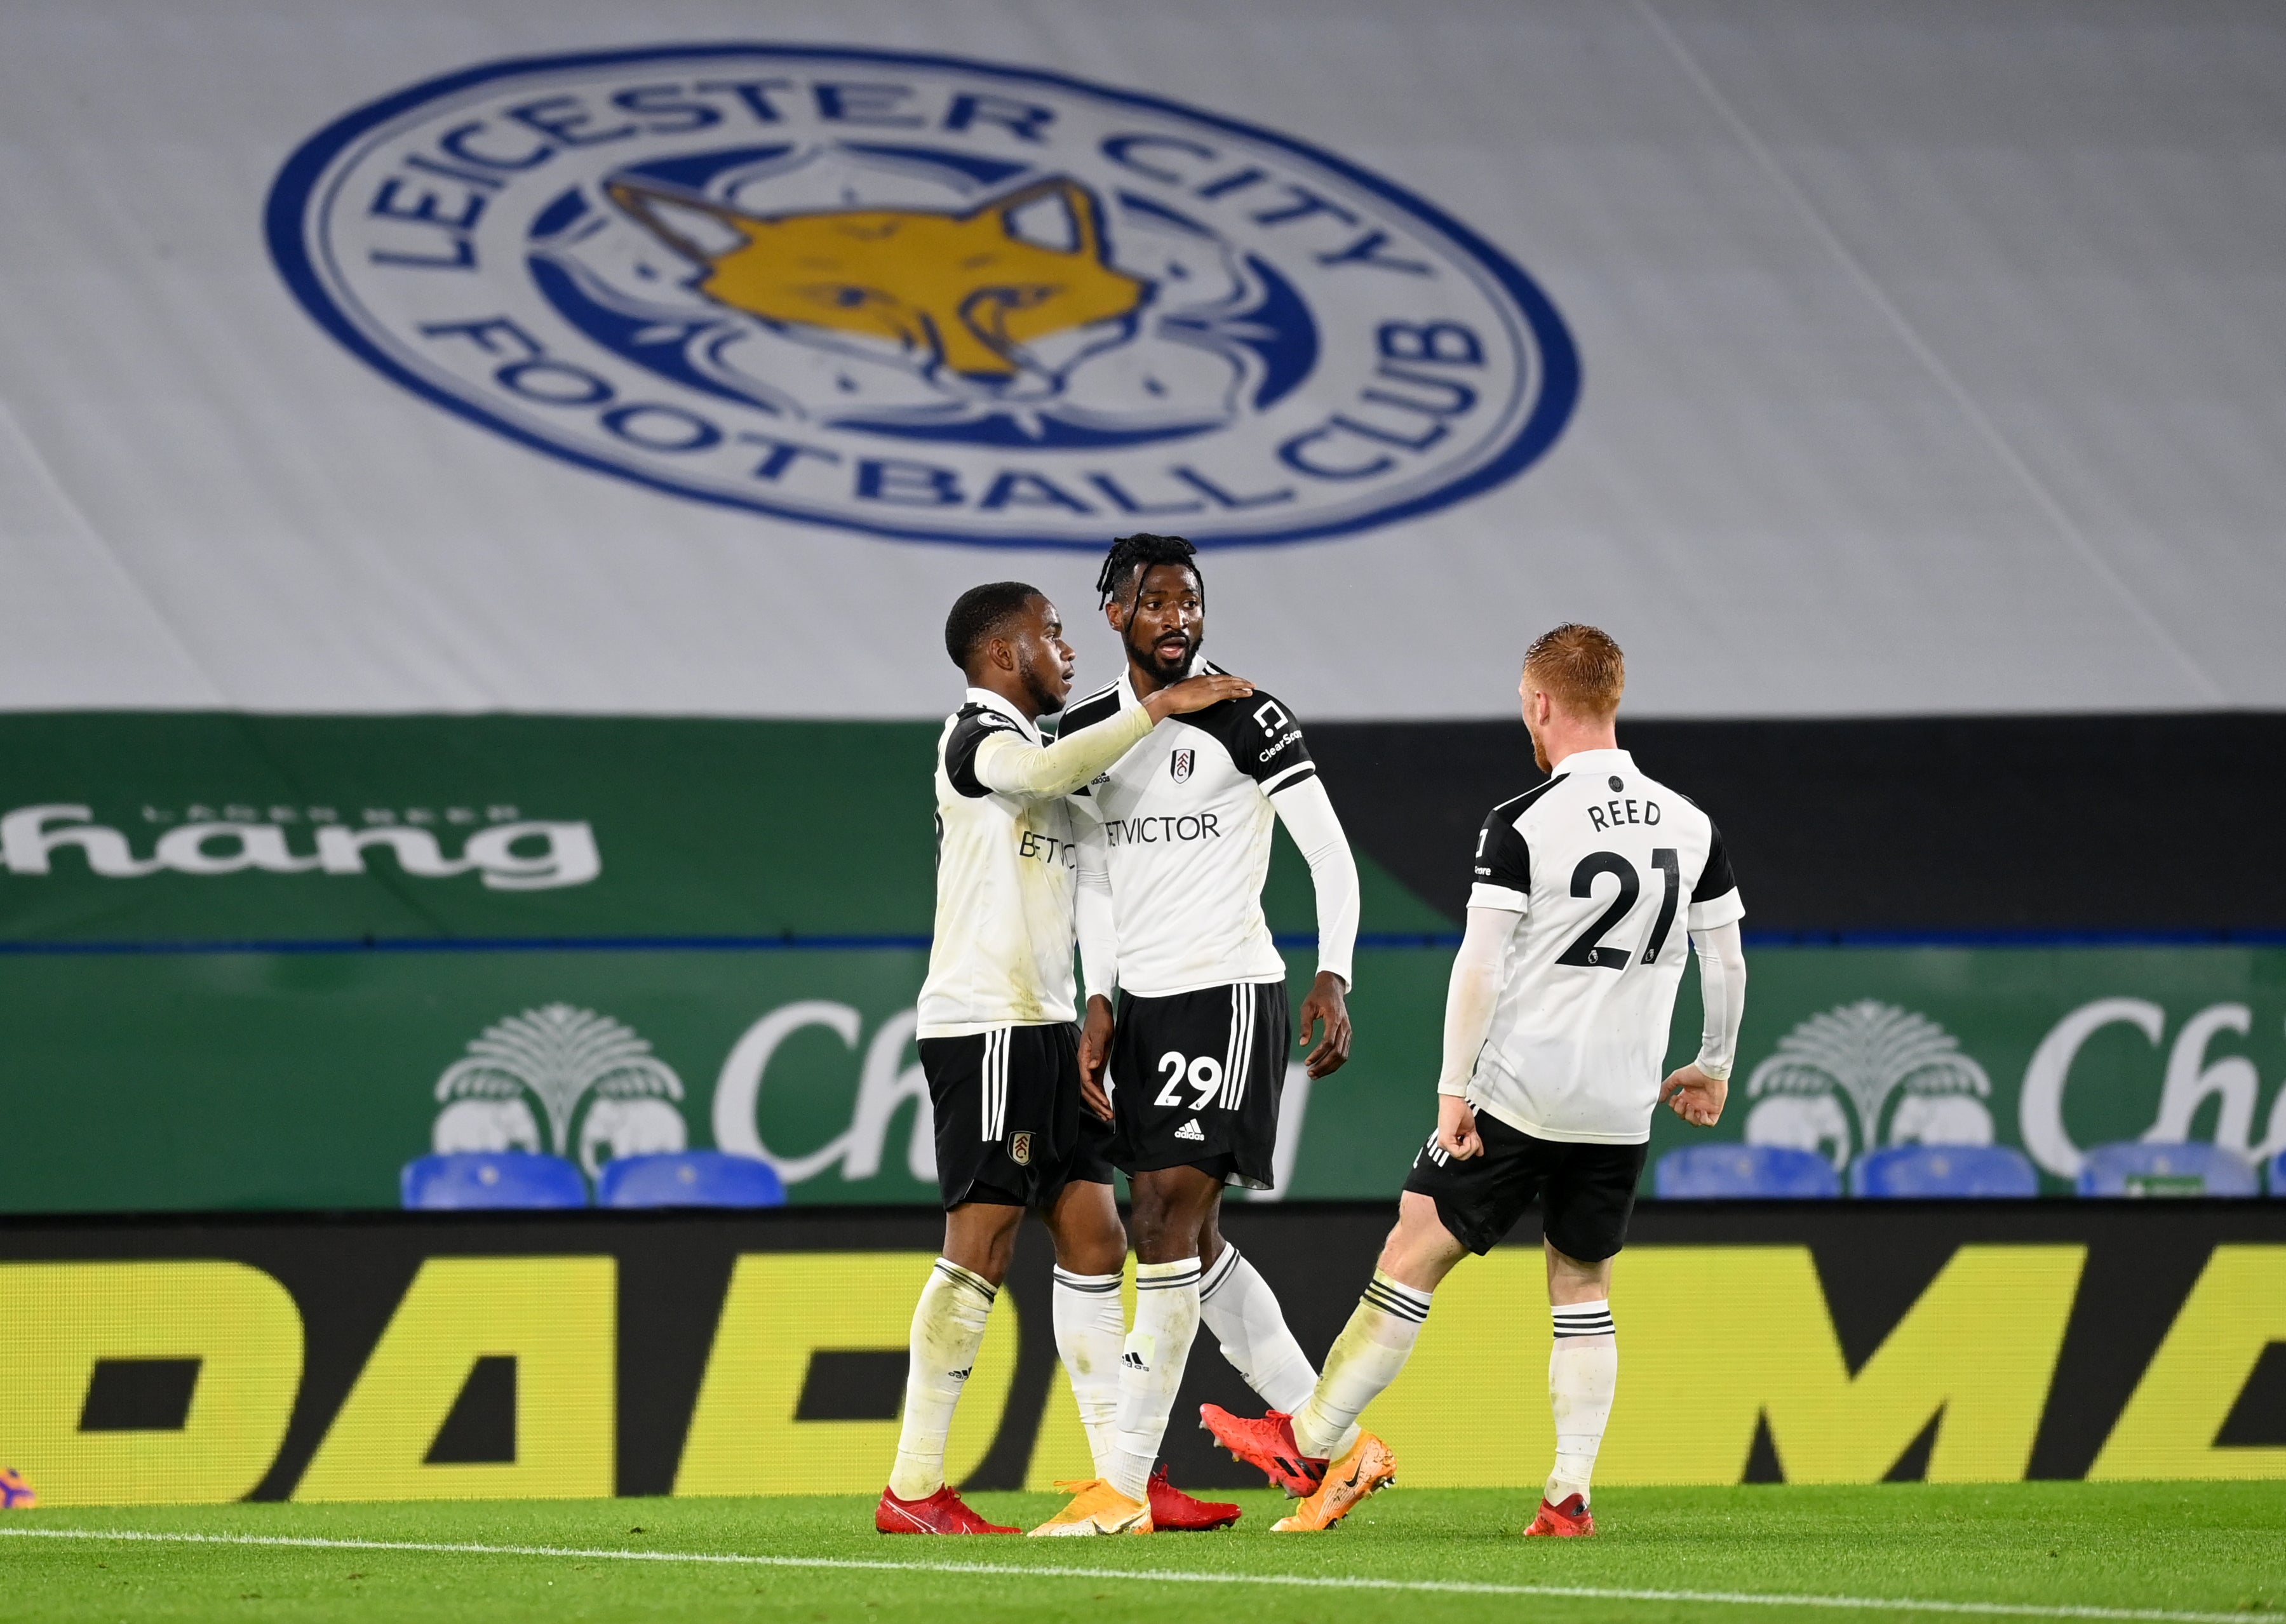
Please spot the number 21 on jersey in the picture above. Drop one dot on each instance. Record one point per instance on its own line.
(1587, 949)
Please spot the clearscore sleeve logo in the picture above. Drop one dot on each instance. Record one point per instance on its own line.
(921, 297)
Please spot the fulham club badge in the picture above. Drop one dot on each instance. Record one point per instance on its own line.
(1020, 1149)
(1180, 763)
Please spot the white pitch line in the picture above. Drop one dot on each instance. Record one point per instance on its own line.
(1861, 1603)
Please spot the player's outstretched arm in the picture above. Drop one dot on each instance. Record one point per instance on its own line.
(1009, 765)
(1308, 814)
(1697, 1092)
(1470, 999)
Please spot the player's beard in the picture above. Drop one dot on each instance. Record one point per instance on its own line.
(1044, 702)
(1147, 655)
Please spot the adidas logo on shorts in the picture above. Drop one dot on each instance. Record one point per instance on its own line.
(1190, 1131)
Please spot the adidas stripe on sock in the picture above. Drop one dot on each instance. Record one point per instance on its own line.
(1150, 1368)
(948, 1328)
(1583, 1376)
(1091, 1324)
(1242, 1312)
(1365, 1359)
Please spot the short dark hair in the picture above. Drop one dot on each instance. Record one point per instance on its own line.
(980, 612)
(1139, 552)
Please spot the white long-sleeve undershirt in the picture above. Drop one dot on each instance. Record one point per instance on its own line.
(1307, 811)
(1723, 989)
(1012, 765)
(1096, 924)
(1473, 994)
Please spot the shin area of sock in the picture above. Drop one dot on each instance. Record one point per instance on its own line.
(948, 1328)
(1150, 1368)
(1091, 1326)
(1366, 1358)
(1583, 1373)
(1239, 1307)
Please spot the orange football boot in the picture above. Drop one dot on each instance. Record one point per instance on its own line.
(1096, 1507)
(1367, 1468)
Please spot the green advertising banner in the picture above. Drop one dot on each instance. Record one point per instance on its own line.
(191, 1081)
(252, 962)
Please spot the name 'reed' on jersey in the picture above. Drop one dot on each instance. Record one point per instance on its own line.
(1187, 822)
(1606, 870)
(1004, 876)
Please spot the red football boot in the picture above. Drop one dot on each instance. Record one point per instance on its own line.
(1266, 1444)
(1172, 1512)
(1572, 1521)
(942, 1512)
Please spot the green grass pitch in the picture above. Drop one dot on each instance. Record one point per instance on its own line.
(2048, 1550)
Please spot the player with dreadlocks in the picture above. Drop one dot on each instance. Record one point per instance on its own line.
(1174, 845)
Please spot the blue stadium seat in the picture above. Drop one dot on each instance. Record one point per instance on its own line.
(492, 1179)
(1907, 1172)
(2188, 1168)
(2278, 1174)
(1702, 1171)
(689, 1178)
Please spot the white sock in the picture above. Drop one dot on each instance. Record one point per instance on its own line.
(948, 1328)
(1151, 1369)
(1090, 1325)
(1365, 1359)
(1583, 1372)
(1239, 1309)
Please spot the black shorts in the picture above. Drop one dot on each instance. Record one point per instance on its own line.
(1010, 1127)
(1196, 1081)
(1586, 1192)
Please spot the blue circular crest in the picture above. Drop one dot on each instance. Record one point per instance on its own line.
(922, 297)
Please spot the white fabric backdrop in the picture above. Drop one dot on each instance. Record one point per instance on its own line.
(1934, 358)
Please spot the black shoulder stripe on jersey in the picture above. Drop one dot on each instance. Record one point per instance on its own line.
(972, 725)
(1260, 734)
(1716, 879)
(1503, 856)
(1515, 809)
(1100, 705)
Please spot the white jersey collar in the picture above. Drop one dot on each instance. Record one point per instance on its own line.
(991, 701)
(1129, 699)
(1596, 761)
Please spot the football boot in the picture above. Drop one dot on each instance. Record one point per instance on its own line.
(1266, 1444)
(1572, 1521)
(942, 1512)
(1096, 1507)
(1172, 1512)
(1367, 1468)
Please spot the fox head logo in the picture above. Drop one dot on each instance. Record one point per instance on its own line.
(1019, 284)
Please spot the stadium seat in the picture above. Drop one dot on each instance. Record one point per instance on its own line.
(689, 1178)
(2187, 1169)
(508, 1178)
(1731, 1172)
(1907, 1172)
(2278, 1174)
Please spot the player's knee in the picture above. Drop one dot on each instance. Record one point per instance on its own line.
(1420, 1251)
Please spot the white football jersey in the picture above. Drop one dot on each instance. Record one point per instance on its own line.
(1606, 870)
(1005, 871)
(1187, 822)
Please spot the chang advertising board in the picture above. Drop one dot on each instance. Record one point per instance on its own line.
(921, 296)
